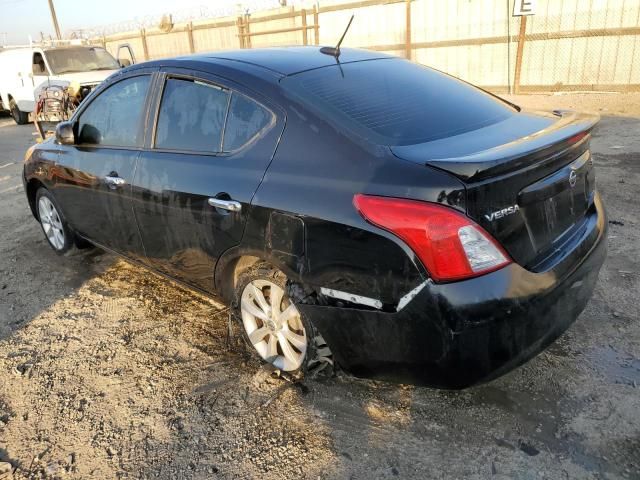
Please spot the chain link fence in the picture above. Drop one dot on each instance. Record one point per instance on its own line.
(569, 45)
(584, 45)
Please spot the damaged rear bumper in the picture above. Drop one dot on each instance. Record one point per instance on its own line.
(458, 334)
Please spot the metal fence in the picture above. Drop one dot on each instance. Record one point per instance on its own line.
(567, 45)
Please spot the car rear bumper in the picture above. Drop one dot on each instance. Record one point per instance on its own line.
(459, 334)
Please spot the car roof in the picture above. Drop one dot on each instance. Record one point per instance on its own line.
(285, 60)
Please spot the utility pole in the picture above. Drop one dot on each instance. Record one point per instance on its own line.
(55, 19)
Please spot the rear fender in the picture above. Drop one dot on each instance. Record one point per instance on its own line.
(225, 269)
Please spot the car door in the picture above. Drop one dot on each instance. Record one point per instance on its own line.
(93, 178)
(194, 184)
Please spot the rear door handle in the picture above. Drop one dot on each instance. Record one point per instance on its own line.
(230, 205)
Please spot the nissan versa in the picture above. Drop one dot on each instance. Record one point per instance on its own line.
(422, 229)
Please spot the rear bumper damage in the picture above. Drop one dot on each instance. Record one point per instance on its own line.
(459, 334)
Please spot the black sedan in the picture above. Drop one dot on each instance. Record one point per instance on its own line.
(355, 209)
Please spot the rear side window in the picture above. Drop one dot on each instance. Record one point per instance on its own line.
(192, 116)
(246, 119)
(113, 118)
(395, 102)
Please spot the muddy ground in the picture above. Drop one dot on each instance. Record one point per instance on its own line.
(108, 371)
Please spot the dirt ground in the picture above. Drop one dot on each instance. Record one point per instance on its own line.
(108, 371)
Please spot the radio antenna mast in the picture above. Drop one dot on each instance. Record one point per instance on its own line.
(335, 51)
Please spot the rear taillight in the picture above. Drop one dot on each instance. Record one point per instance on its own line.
(449, 244)
(576, 138)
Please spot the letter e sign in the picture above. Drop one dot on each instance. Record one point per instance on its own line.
(524, 7)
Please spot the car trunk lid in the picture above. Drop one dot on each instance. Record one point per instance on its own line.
(529, 179)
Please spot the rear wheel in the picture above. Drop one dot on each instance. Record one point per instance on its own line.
(272, 325)
(20, 117)
(55, 229)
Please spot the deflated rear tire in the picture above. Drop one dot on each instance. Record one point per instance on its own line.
(271, 325)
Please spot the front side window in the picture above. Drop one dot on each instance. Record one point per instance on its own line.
(113, 118)
(192, 116)
(39, 67)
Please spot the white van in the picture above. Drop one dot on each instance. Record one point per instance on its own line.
(24, 69)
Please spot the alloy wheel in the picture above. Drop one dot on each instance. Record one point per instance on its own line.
(51, 223)
(273, 325)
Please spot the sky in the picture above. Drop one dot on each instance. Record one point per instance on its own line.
(21, 18)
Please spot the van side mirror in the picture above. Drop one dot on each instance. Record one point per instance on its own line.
(125, 55)
(64, 133)
(38, 68)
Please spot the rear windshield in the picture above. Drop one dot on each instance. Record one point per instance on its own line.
(395, 102)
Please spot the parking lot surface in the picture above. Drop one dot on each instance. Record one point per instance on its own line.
(109, 371)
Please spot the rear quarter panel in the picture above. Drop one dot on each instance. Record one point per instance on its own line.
(315, 173)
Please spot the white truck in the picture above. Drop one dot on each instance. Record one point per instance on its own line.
(23, 70)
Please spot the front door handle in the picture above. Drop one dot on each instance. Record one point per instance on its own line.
(230, 205)
(114, 181)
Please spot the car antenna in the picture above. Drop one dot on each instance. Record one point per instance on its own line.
(335, 51)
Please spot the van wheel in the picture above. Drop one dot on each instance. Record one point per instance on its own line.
(271, 324)
(20, 117)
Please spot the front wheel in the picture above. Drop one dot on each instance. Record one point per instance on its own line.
(20, 117)
(52, 222)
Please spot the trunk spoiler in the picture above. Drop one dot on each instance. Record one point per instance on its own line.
(516, 153)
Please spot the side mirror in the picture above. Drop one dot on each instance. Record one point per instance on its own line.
(64, 133)
(38, 69)
(125, 55)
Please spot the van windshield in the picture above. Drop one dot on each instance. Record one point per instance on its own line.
(80, 59)
(395, 102)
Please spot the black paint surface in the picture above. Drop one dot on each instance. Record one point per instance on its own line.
(296, 181)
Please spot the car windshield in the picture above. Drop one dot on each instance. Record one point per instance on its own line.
(80, 59)
(395, 102)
